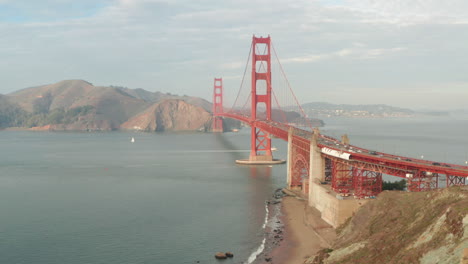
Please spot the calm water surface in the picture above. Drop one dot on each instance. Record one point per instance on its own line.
(167, 198)
(97, 198)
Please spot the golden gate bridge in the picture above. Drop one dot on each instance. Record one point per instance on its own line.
(314, 158)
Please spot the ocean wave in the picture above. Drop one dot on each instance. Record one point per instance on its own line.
(257, 252)
(266, 216)
(260, 248)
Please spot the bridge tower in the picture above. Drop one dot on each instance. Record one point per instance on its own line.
(218, 105)
(260, 140)
(260, 143)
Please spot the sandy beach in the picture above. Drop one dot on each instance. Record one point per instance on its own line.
(303, 235)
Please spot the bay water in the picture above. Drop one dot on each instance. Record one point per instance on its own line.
(166, 198)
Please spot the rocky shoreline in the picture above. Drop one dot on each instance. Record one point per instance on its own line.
(294, 232)
(274, 231)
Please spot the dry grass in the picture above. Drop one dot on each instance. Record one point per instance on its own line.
(402, 227)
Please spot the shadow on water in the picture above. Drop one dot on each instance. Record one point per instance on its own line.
(260, 188)
(221, 138)
(255, 171)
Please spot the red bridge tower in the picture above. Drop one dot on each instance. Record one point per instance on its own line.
(260, 141)
(218, 105)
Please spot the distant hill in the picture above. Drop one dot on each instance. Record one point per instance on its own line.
(154, 97)
(348, 110)
(110, 106)
(295, 118)
(79, 105)
(10, 114)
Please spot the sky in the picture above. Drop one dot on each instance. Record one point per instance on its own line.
(404, 53)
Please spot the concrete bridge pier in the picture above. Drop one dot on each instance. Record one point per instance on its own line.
(316, 167)
(333, 208)
(290, 158)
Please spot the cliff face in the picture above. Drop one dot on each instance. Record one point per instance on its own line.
(170, 115)
(402, 227)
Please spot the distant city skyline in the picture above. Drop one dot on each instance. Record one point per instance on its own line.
(403, 53)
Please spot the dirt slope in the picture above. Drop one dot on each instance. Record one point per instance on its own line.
(403, 227)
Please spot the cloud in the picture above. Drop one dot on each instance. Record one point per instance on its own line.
(428, 95)
(233, 65)
(232, 77)
(49, 10)
(353, 53)
(151, 43)
(410, 12)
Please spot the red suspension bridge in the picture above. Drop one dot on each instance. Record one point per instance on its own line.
(314, 157)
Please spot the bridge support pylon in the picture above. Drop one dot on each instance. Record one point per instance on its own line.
(317, 161)
(217, 125)
(260, 140)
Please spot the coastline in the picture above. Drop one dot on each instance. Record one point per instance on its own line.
(300, 234)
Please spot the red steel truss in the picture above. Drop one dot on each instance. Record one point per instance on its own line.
(455, 180)
(301, 163)
(300, 172)
(342, 176)
(422, 181)
(366, 183)
(328, 169)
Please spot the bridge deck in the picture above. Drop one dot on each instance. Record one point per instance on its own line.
(396, 165)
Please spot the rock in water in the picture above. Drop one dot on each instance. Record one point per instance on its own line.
(220, 255)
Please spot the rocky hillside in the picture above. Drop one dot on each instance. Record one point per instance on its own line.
(402, 227)
(170, 115)
(79, 105)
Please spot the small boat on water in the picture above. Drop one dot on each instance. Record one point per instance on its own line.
(133, 140)
(274, 149)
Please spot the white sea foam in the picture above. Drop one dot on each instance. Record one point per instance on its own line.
(257, 252)
(266, 216)
(260, 248)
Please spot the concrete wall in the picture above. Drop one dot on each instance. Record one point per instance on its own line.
(334, 211)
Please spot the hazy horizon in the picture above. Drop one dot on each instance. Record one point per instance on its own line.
(394, 52)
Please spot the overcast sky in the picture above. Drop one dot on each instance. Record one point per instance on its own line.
(398, 52)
